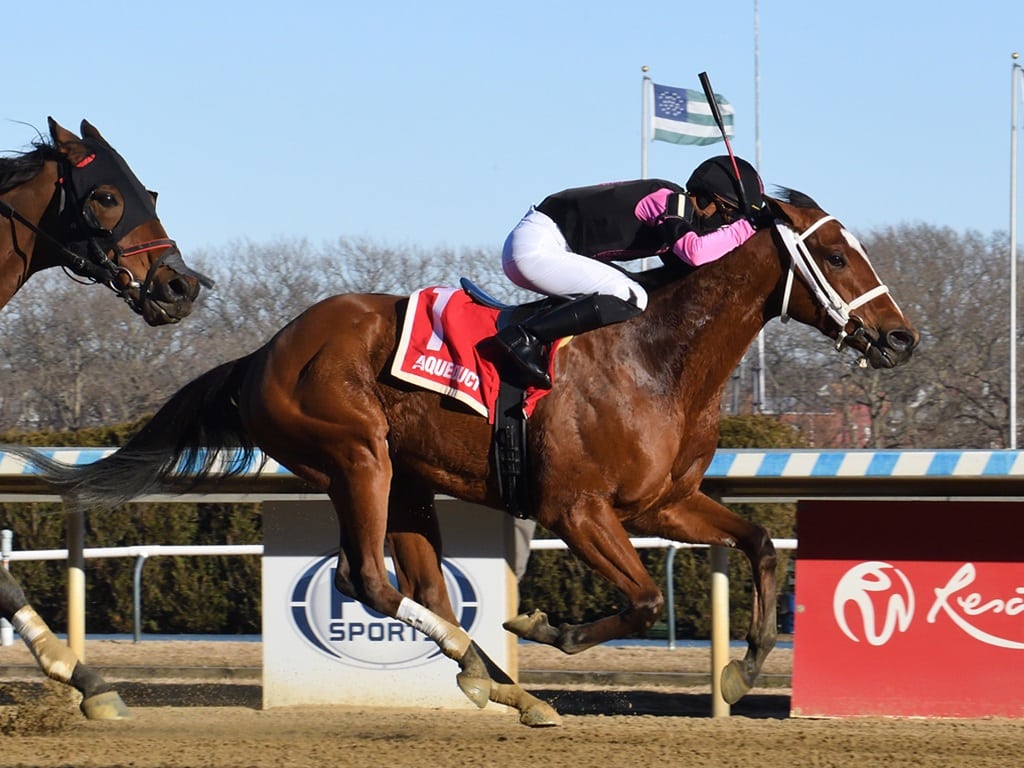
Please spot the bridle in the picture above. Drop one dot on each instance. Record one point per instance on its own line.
(84, 244)
(800, 260)
(97, 267)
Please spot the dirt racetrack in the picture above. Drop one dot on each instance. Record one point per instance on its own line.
(197, 704)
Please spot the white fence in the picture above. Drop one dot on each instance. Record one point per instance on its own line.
(141, 553)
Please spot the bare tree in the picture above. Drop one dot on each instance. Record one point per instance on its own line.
(73, 356)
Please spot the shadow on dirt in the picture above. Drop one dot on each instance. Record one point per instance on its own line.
(566, 701)
(664, 703)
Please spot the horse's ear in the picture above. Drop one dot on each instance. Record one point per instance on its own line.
(66, 142)
(59, 133)
(778, 208)
(89, 132)
(798, 217)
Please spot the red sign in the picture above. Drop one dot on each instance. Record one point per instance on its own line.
(909, 609)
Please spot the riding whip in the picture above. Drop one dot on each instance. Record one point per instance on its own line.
(717, 114)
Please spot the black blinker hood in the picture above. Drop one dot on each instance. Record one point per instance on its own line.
(103, 166)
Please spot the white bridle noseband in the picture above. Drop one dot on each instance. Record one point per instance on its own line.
(800, 260)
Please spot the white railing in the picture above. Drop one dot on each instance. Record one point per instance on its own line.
(144, 551)
(141, 553)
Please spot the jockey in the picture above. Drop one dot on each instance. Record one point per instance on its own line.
(563, 246)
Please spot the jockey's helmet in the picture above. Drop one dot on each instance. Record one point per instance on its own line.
(715, 178)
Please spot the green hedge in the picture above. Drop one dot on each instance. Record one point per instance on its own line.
(210, 595)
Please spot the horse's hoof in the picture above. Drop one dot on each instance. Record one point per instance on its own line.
(524, 622)
(105, 706)
(734, 684)
(532, 626)
(540, 715)
(477, 689)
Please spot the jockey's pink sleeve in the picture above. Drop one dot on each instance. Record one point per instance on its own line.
(696, 250)
(652, 207)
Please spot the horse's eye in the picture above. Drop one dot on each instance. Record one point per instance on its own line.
(836, 259)
(106, 199)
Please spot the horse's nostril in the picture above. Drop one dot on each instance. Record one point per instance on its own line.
(180, 288)
(901, 339)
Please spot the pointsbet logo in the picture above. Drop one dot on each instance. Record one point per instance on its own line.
(351, 633)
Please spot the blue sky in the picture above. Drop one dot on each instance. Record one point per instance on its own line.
(439, 123)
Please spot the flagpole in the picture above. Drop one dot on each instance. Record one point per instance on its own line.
(1016, 73)
(760, 400)
(645, 117)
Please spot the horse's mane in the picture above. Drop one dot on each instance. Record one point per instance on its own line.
(799, 199)
(17, 169)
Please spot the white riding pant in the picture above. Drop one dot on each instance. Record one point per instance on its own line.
(537, 257)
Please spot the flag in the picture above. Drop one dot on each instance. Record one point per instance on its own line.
(683, 116)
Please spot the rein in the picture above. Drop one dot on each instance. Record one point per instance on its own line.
(800, 260)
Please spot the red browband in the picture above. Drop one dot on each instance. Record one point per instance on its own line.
(149, 245)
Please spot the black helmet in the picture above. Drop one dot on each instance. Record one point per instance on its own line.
(716, 177)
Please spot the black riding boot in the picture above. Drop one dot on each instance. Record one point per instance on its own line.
(528, 343)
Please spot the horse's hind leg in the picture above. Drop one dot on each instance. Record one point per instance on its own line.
(415, 543)
(414, 538)
(504, 690)
(360, 490)
(99, 700)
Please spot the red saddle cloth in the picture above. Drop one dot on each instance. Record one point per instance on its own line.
(437, 349)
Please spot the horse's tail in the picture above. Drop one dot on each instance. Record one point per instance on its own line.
(195, 432)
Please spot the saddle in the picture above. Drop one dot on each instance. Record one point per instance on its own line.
(508, 314)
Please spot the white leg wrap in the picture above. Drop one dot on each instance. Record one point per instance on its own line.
(453, 640)
(53, 656)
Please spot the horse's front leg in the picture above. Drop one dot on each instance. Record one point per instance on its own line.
(702, 520)
(739, 676)
(594, 534)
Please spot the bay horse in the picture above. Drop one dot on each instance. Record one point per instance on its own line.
(73, 202)
(619, 445)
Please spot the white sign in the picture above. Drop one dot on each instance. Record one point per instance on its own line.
(321, 647)
(347, 631)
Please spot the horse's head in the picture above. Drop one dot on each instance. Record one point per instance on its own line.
(841, 293)
(108, 222)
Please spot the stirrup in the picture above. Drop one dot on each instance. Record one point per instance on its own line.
(530, 374)
(524, 352)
